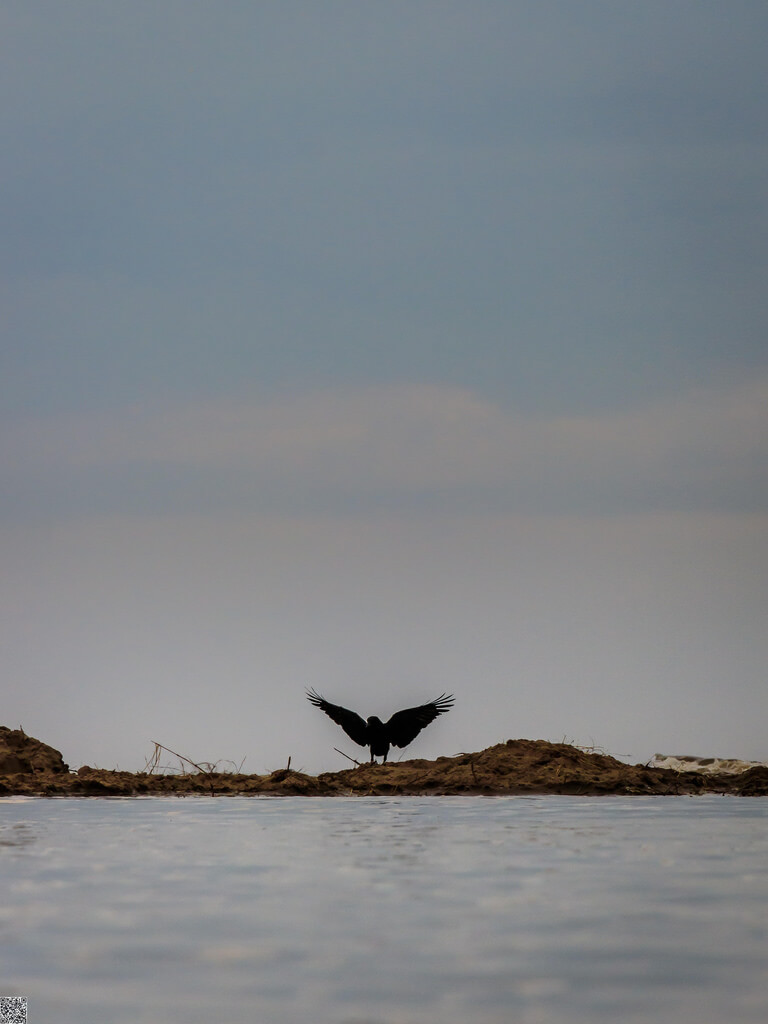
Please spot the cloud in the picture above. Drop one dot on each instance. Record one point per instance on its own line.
(406, 444)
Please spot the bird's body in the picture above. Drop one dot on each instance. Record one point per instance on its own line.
(399, 731)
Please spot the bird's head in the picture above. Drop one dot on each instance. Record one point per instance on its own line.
(374, 720)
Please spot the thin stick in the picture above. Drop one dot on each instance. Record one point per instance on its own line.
(153, 761)
(188, 760)
(358, 763)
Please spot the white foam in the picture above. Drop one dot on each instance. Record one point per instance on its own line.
(704, 765)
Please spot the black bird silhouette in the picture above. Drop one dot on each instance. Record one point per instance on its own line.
(399, 731)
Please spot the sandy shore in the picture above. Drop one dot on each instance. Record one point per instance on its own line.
(30, 767)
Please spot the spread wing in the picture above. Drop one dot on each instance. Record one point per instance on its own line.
(405, 726)
(352, 724)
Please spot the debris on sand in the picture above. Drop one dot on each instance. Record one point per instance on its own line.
(706, 765)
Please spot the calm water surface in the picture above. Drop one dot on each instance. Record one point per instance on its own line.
(448, 910)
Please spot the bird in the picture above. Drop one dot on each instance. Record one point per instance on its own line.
(401, 729)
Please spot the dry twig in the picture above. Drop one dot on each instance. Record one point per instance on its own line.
(207, 770)
(358, 763)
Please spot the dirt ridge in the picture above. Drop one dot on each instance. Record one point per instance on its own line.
(515, 767)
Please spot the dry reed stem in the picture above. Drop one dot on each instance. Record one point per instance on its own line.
(352, 759)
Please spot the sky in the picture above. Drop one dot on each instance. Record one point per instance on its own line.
(391, 350)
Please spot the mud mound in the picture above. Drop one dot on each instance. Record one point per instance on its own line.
(537, 766)
(24, 754)
(514, 767)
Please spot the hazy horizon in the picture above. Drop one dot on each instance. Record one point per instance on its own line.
(388, 350)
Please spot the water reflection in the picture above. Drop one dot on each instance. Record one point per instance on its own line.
(540, 910)
(18, 834)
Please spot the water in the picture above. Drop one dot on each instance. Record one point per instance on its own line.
(539, 910)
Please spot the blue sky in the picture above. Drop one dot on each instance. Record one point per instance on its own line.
(387, 349)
